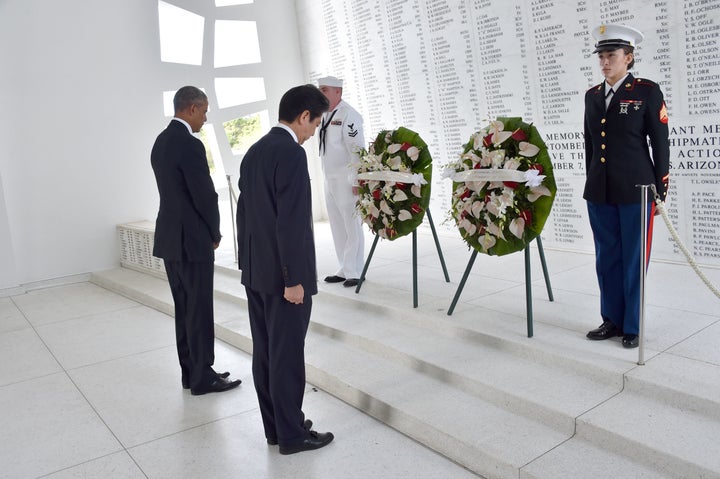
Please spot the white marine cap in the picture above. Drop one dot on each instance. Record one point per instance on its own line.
(330, 81)
(612, 37)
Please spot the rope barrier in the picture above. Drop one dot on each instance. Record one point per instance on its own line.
(683, 248)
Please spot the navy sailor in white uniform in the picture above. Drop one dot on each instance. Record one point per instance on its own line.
(341, 139)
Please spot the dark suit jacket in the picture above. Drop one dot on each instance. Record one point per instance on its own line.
(276, 248)
(188, 222)
(616, 142)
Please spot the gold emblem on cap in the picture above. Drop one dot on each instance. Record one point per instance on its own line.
(627, 85)
(602, 29)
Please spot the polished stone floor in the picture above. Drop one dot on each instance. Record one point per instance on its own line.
(90, 387)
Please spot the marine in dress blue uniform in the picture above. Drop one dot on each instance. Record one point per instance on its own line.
(622, 114)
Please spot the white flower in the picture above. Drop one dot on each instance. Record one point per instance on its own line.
(517, 227)
(477, 208)
(528, 149)
(493, 208)
(478, 140)
(487, 241)
(394, 148)
(385, 208)
(508, 196)
(470, 155)
(498, 135)
(418, 179)
(495, 230)
(399, 195)
(468, 226)
(394, 163)
(388, 137)
(498, 204)
(416, 190)
(475, 186)
(467, 206)
(496, 126)
(533, 178)
(447, 172)
(373, 211)
(413, 153)
(536, 192)
(404, 215)
(511, 164)
(493, 159)
(498, 158)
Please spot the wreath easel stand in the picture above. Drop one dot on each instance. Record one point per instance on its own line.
(414, 259)
(498, 191)
(528, 283)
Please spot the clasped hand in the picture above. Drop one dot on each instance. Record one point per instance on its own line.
(294, 294)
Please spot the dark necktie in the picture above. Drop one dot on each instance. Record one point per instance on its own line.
(323, 131)
(608, 98)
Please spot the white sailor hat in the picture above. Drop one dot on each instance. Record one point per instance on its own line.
(330, 81)
(612, 37)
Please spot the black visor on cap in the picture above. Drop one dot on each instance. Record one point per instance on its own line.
(612, 44)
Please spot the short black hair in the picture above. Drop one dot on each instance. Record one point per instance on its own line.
(187, 96)
(300, 98)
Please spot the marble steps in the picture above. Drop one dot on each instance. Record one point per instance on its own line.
(476, 391)
(475, 433)
(666, 423)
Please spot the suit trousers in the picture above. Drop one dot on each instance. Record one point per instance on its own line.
(616, 232)
(278, 365)
(191, 284)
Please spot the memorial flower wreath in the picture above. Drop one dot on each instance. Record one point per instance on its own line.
(503, 187)
(394, 182)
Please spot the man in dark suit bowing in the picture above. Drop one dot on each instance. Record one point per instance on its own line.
(277, 258)
(187, 231)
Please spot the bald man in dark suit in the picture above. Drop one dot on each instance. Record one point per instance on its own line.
(187, 232)
(277, 257)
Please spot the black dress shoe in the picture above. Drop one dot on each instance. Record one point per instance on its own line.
(307, 425)
(217, 386)
(186, 385)
(630, 341)
(351, 282)
(334, 279)
(606, 330)
(315, 440)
